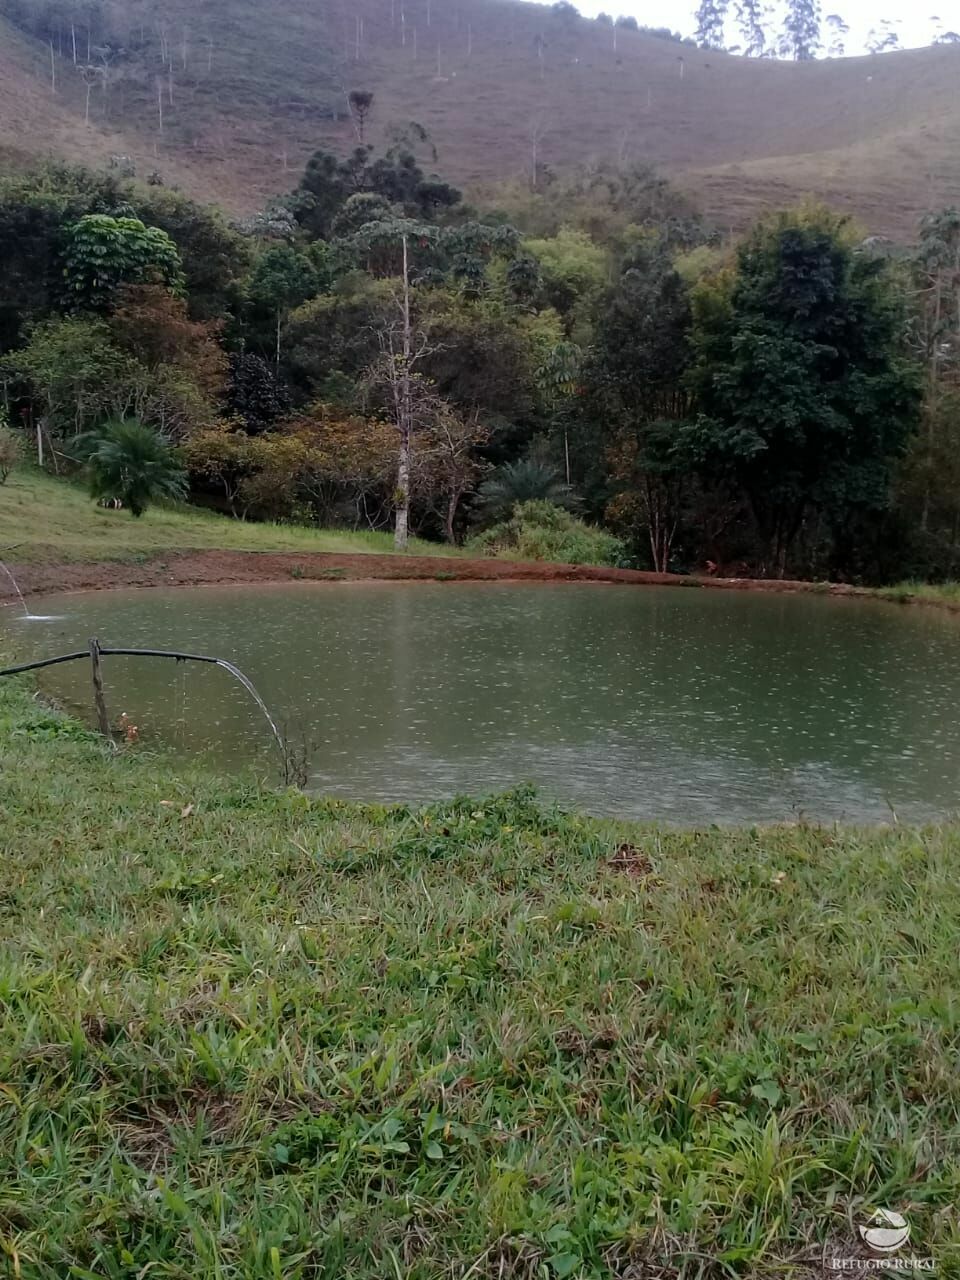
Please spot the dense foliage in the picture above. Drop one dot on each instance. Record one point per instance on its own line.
(373, 351)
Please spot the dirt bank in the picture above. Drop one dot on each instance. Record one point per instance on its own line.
(197, 568)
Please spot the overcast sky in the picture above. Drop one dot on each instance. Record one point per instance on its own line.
(912, 20)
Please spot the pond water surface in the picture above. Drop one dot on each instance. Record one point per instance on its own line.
(679, 705)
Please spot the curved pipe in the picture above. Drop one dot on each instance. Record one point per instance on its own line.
(160, 653)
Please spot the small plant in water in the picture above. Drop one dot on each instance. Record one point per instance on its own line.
(298, 753)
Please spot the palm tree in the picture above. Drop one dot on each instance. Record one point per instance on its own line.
(129, 461)
(522, 481)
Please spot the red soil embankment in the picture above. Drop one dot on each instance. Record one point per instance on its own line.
(199, 568)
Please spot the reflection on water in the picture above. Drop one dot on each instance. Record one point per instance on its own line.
(686, 706)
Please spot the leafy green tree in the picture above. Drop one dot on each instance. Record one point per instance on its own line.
(129, 461)
(574, 270)
(358, 211)
(282, 280)
(323, 189)
(335, 334)
(397, 177)
(640, 402)
(524, 278)
(484, 362)
(102, 253)
(806, 392)
(559, 381)
(216, 260)
(73, 372)
(930, 496)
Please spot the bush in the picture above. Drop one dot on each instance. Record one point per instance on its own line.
(129, 462)
(9, 452)
(544, 531)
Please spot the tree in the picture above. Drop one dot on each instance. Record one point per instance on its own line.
(412, 403)
(806, 394)
(254, 394)
(882, 38)
(937, 274)
(361, 104)
(102, 253)
(839, 32)
(323, 189)
(74, 372)
(637, 380)
(154, 325)
(223, 457)
(750, 15)
(282, 280)
(350, 465)
(524, 278)
(801, 30)
(452, 463)
(129, 461)
(215, 258)
(711, 16)
(359, 210)
(558, 378)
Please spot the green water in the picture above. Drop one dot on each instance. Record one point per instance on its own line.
(680, 705)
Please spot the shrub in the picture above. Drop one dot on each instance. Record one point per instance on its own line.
(522, 482)
(132, 463)
(9, 452)
(544, 531)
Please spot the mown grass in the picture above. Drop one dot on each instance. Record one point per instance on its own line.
(245, 1033)
(49, 519)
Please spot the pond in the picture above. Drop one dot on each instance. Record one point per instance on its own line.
(683, 706)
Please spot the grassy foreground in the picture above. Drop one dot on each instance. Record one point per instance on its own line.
(249, 1034)
(49, 519)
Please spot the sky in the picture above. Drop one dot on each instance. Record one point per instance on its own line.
(912, 21)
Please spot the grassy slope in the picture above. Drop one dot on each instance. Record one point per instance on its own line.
(249, 1034)
(264, 85)
(48, 519)
(946, 594)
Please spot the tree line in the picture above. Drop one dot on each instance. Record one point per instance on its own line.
(588, 365)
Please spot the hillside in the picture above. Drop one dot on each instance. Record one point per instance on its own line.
(248, 90)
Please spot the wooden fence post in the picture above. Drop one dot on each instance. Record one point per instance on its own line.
(103, 720)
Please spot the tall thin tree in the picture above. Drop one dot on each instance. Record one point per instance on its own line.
(750, 15)
(801, 30)
(711, 17)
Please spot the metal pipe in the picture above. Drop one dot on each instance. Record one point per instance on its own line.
(159, 653)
